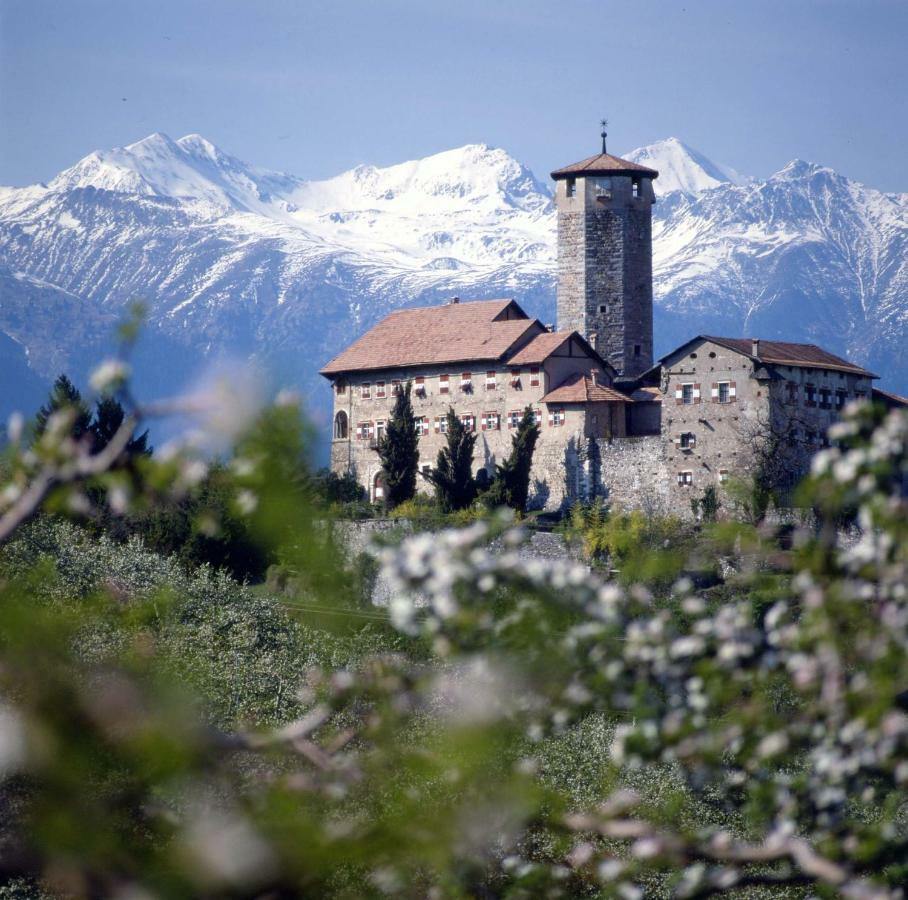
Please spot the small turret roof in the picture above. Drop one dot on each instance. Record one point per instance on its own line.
(604, 164)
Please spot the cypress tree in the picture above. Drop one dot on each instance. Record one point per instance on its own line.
(64, 395)
(452, 476)
(511, 485)
(398, 450)
(108, 418)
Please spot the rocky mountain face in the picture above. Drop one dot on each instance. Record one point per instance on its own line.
(241, 263)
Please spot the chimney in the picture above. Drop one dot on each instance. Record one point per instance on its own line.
(755, 347)
(455, 300)
(549, 326)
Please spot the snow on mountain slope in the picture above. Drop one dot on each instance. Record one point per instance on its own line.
(682, 168)
(238, 260)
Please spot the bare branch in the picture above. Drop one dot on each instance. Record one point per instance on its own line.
(83, 466)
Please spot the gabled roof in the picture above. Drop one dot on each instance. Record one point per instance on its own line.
(788, 354)
(580, 388)
(604, 164)
(454, 332)
(778, 353)
(544, 345)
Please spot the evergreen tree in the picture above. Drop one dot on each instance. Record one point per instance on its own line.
(64, 395)
(511, 485)
(109, 416)
(453, 473)
(398, 450)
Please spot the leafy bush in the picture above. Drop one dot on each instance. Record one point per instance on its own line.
(534, 730)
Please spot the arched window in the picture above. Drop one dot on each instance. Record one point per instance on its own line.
(378, 488)
(340, 426)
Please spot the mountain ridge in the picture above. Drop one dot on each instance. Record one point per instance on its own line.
(254, 263)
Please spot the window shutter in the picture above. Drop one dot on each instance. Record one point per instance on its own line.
(679, 396)
(714, 392)
(551, 419)
(437, 425)
(732, 393)
(697, 392)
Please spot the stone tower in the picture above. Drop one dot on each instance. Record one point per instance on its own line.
(605, 258)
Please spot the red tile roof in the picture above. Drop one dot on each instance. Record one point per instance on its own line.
(454, 332)
(788, 354)
(540, 348)
(604, 164)
(580, 388)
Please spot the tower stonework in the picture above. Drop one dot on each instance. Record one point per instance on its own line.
(605, 258)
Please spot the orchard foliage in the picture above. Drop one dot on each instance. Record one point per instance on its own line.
(527, 730)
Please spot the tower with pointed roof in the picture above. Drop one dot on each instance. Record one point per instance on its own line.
(605, 257)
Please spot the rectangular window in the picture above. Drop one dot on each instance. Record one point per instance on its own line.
(341, 388)
(422, 425)
(860, 395)
(365, 430)
(491, 421)
(419, 385)
(811, 437)
(841, 397)
(825, 394)
(687, 440)
(570, 187)
(685, 393)
(468, 420)
(395, 387)
(365, 390)
(466, 381)
(514, 417)
(637, 350)
(723, 476)
(811, 393)
(425, 468)
(380, 429)
(686, 478)
(515, 378)
(556, 417)
(792, 392)
(441, 424)
(724, 391)
(537, 416)
(379, 389)
(442, 384)
(534, 377)
(635, 187)
(491, 381)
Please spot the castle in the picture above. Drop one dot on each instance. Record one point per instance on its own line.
(614, 423)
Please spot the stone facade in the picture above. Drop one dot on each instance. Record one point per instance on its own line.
(491, 399)
(605, 276)
(723, 411)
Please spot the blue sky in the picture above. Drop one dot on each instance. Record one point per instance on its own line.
(313, 87)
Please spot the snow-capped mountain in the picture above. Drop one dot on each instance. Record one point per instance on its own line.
(239, 261)
(681, 168)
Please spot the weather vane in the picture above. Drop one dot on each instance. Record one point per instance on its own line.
(604, 124)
